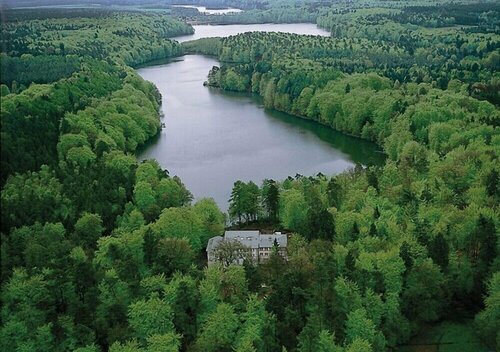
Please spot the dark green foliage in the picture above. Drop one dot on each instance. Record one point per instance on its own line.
(371, 176)
(333, 193)
(150, 247)
(321, 224)
(439, 251)
(88, 229)
(355, 231)
(493, 184)
(270, 198)
(31, 119)
(484, 241)
(350, 261)
(405, 254)
(244, 204)
(37, 69)
(488, 320)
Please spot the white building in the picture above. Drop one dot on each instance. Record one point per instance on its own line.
(260, 245)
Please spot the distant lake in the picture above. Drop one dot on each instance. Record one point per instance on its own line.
(203, 9)
(209, 31)
(213, 138)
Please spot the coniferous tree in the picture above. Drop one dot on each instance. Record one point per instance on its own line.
(439, 251)
(270, 198)
(405, 254)
(372, 178)
(333, 191)
(492, 184)
(236, 206)
(150, 247)
(373, 230)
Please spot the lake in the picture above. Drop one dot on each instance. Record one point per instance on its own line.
(203, 9)
(208, 31)
(213, 138)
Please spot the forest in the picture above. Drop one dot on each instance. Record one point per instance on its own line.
(101, 252)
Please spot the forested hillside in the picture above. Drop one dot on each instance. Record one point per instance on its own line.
(430, 98)
(102, 253)
(78, 59)
(75, 203)
(132, 38)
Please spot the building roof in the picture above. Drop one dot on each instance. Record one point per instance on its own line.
(213, 243)
(268, 240)
(254, 239)
(247, 238)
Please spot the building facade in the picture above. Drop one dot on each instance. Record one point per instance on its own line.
(250, 244)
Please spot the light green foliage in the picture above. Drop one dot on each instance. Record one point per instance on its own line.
(22, 296)
(88, 229)
(359, 345)
(155, 191)
(164, 343)
(219, 330)
(41, 192)
(359, 326)
(233, 81)
(205, 46)
(326, 342)
(212, 218)
(150, 317)
(129, 346)
(89, 348)
(180, 223)
(131, 221)
(183, 297)
(124, 253)
(223, 284)
(144, 196)
(251, 334)
(69, 141)
(293, 210)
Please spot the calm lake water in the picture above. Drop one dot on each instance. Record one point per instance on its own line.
(208, 31)
(203, 9)
(213, 138)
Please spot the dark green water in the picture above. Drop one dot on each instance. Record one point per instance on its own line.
(213, 138)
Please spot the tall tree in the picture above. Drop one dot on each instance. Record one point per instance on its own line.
(270, 198)
(236, 205)
(439, 251)
(333, 192)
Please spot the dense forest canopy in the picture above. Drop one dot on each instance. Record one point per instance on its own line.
(100, 252)
(78, 60)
